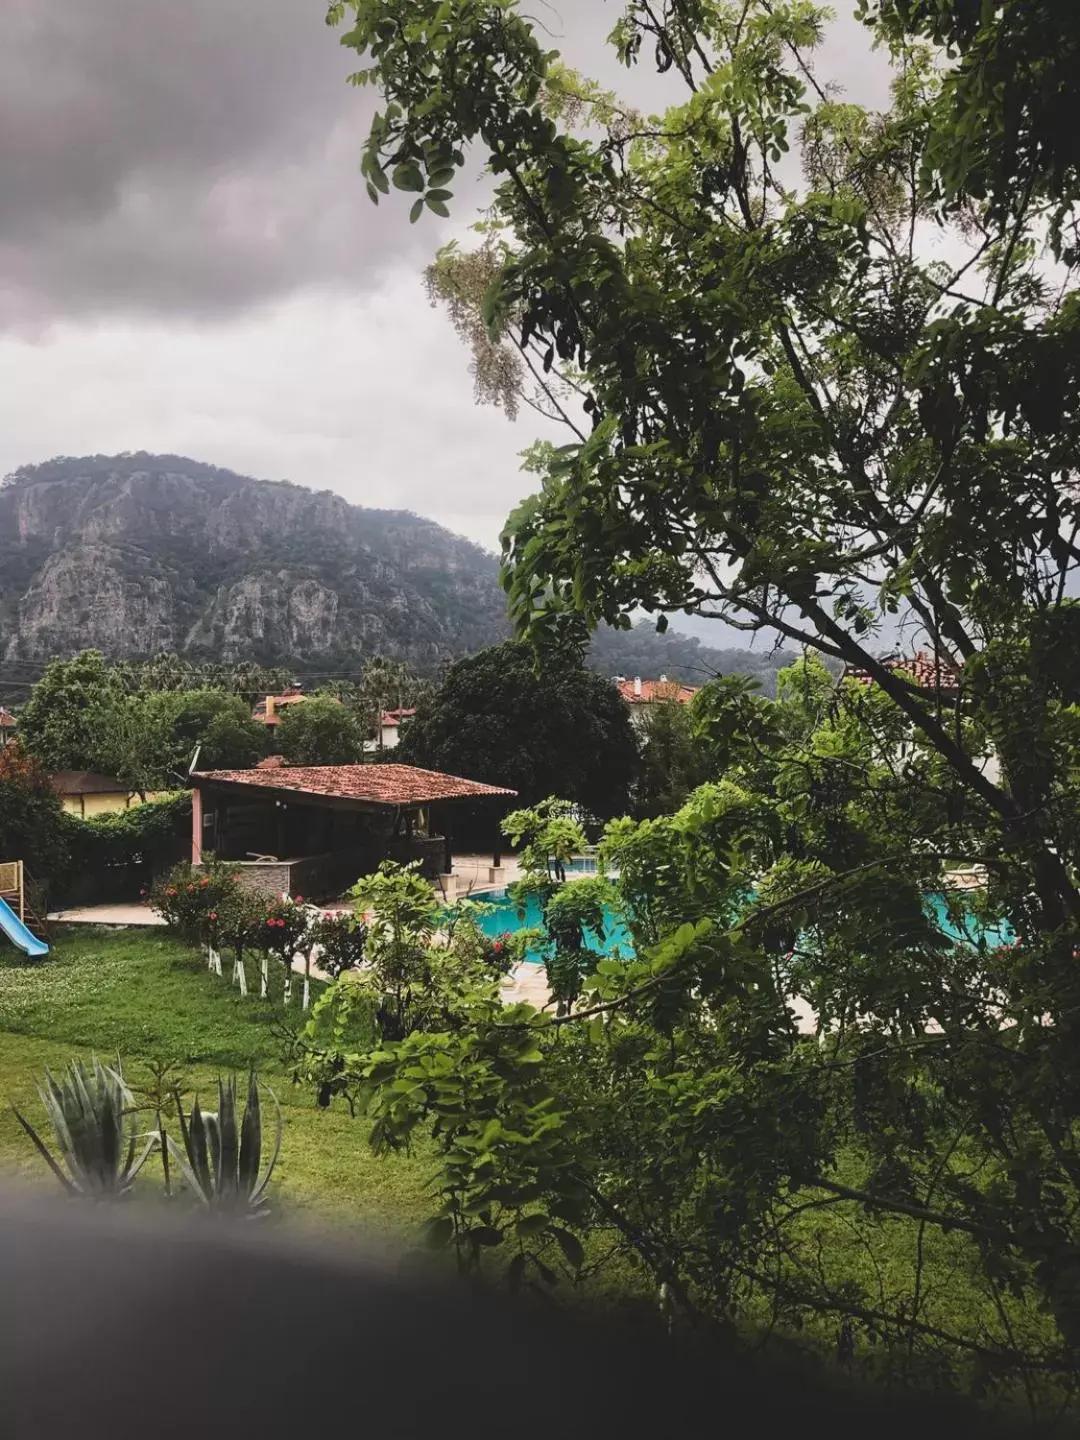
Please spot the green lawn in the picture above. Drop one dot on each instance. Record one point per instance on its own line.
(147, 997)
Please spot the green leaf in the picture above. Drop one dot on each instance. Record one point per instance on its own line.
(441, 177)
(408, 177)
(439, 195)
(571, 1247)
(416, 211)
(532, 1224)
(438, 207)
(438, 1232)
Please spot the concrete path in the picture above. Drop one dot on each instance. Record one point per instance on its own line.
(107, 915)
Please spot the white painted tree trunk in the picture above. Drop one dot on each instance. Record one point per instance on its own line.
(288, 985)
(241, 977)
(214, 961)
(264, 981)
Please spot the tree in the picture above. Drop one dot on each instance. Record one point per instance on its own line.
(222, 726)
(319, 731)
(31, 815)
(557, 730)
(796, 419)
(67, 720)
(671, 760)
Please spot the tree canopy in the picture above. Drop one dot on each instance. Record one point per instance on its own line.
(817, 367)
(555, 730)
(319, 731)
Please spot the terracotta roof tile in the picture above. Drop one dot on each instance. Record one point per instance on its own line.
(86, 782)
(377, 784)
(656, 690)
(928, 671)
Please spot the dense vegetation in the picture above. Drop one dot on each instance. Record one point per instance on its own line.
(798, 416)
(499, 719)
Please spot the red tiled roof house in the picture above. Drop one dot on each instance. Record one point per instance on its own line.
(314, 829)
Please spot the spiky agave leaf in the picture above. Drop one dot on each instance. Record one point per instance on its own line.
(91, 1113)
(221, 1160)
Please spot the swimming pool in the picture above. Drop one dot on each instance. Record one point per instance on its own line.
(505, 917)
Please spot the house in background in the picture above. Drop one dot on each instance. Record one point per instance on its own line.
(940, 674)
(639, 694)
(390, 726)
(85, 792)
(8, 726)
(268, 711)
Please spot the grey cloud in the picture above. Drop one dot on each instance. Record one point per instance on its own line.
(189, 157)
(196, 157)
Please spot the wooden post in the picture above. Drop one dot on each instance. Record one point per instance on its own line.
(196, 826)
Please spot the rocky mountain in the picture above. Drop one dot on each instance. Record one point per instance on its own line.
(135, 554)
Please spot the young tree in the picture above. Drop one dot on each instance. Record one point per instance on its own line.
(221, 725)
(671, 758)
(557, 730)
(319, 731)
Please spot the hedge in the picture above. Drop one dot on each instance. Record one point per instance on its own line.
(115, 857)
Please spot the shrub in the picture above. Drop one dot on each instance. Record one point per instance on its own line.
(32, 820)
(92, 1113)
(115, 855)
(195, 902)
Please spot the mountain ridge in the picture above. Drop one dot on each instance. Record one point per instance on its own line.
(137, 553)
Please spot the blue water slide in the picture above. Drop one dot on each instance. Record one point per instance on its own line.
(18, 934)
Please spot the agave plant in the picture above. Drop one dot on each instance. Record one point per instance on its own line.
(221, 1160)
(92, 1113)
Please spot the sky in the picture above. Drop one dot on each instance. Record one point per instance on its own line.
(189, 263)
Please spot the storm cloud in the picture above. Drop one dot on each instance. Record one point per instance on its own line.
(162, 156)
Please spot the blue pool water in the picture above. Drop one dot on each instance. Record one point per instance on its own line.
(505, 917)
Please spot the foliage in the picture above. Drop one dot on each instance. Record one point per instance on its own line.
(222, 1156)
(221, 725)
(139, 841)
(320, 731)
(32, 821)
(92, 1114)
(671, 759)
(67, 719)
(798, 419)
(194, 901)
(340, 941)
(554, 730)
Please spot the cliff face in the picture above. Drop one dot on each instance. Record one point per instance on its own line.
(134, 554)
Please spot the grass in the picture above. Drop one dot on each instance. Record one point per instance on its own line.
(148, 997)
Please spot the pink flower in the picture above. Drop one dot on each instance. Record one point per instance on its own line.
(299, 899)
(213, 914)
(170, 891)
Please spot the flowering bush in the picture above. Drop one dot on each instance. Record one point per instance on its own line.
(282, 927)
(341, 942)
(194, 901)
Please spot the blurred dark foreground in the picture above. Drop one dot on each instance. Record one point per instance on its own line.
(118, 1322)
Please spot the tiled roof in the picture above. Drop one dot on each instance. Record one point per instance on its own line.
(392, 718)
(377, 784)
(86, 782)
(929, 671)
(7, 719)
(651, 690)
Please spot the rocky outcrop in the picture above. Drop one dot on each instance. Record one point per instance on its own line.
(134, 554)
